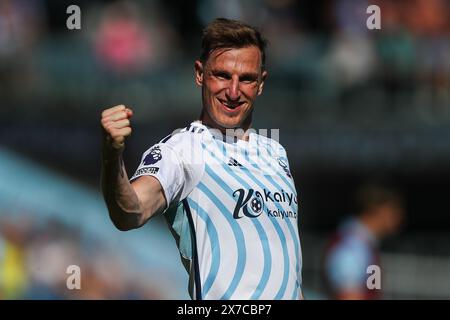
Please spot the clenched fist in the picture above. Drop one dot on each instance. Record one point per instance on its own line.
(116, 126)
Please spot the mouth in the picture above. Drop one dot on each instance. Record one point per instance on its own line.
(230, 106)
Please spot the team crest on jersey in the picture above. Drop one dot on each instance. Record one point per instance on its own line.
(283, 164)
(153, 156)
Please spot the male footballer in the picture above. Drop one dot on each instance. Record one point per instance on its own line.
(226, 192)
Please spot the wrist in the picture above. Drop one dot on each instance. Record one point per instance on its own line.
(112, 151)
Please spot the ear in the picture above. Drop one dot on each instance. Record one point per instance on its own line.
(261, 85)
(198, 72)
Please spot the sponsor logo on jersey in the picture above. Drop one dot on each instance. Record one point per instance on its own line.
(251, 203)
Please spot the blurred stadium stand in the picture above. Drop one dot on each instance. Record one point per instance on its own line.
(350, 103)
(34, 199)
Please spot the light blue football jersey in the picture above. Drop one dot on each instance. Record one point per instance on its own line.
(233, 210)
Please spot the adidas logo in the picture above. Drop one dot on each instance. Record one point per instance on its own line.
(233, 162)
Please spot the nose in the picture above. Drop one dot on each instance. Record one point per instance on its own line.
(233, 93)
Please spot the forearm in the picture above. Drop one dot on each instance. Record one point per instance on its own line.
(122, 201)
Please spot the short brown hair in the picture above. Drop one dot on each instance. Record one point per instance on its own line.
(373, 194)
(226, 33)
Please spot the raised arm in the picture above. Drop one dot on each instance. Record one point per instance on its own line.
(130, 205)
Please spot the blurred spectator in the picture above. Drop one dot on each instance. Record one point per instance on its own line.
(34, 256)
(354, 247)
(351, 16)
(132, 37)
(250, 11)
(350, 60)
(426, 17)
(396, 51)
(13, 276)
(282, 18)
(21, 26)
(51, 250)
(123, 42)
(429, 20)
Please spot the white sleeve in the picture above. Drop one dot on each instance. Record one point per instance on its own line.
(170, 163)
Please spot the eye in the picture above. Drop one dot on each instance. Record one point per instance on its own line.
(248, 79)
(221, 75)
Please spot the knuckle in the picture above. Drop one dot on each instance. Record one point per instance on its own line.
(105, 112)
(119, 115)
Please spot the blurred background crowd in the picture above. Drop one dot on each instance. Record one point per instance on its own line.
(352, 105)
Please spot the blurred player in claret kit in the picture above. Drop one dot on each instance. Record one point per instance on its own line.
(226, 192)
(354, 247)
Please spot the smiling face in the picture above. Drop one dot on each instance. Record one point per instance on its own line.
(231, 79)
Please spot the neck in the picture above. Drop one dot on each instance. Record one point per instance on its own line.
(240, 132)
(373, 225)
